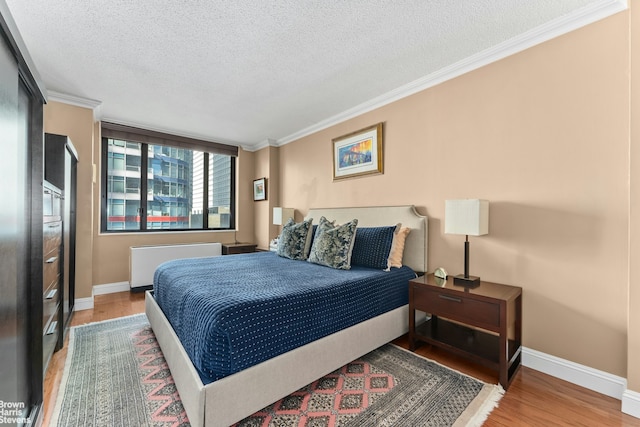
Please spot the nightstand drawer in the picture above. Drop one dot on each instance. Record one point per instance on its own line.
(456, 307)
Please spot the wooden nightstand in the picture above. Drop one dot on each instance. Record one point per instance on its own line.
(483, 324)
(238, 248)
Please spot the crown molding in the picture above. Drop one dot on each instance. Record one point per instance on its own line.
(73, 100)
(269, 142)
(557, 27)
(77, 101)
(95, 105)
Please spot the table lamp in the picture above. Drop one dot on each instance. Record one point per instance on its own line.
(471, 218)
(282, 215)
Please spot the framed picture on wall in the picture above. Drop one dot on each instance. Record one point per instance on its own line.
(358, 153)
(259, 189)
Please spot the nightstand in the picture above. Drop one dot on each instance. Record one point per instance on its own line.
(238, 248)
(483, 324)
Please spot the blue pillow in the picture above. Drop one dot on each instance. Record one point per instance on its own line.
(372, 246)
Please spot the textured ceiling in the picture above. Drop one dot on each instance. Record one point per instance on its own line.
(247, 72)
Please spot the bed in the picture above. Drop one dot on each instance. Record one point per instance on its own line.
(237, 394)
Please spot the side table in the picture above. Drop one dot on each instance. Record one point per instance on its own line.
(483, 324)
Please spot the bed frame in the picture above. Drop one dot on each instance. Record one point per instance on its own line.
(230, 399)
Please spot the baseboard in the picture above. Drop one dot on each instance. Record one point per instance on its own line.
(111, 288)
(108, 288)
(584, 376)
(631, 403)
(83, 304)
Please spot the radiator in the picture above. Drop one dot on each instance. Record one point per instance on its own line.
(143, 260)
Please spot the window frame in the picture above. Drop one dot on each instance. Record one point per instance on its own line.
(146, 138)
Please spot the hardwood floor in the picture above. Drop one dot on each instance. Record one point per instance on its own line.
(533, 399)
(537, 399)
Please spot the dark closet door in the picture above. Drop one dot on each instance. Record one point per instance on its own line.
(71, 182)
(15, 235)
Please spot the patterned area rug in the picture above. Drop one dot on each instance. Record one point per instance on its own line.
(116, 375)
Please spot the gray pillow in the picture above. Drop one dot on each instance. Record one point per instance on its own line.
(295, 239)
(332, 245)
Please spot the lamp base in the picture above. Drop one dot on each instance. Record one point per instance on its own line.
(468, 282)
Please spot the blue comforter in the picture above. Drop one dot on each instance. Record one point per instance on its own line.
(232, 312)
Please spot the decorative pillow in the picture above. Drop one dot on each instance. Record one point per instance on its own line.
(372, 246)
(332, 245)
(397, 249)
(295, 239)
(313, 231)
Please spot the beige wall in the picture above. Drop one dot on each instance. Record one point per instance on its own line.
(261, 208)
(245, 165)
(543, 135)
(274, 197)
(77, 123)
(633, 336)
(267, 165)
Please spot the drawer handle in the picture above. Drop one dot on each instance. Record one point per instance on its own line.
(52, 327)
(52, 293)
(54, 226)
(448, 298)
(51, 260)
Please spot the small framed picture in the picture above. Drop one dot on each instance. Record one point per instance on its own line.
(259, 189)
(358, 153)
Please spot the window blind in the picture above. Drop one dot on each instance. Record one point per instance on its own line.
(134, 134)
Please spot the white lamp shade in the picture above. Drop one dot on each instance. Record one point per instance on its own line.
(466, 216)
(282, 215)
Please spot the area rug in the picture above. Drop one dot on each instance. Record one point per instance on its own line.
(115, 375)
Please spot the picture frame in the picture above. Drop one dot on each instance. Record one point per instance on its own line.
(259, 189)
(358, 153)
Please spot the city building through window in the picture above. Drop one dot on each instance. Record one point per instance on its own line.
(150, 187)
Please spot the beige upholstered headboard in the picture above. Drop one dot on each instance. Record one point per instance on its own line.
(415, 251)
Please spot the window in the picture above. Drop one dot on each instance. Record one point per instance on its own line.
(219, 191)
(190, 184)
